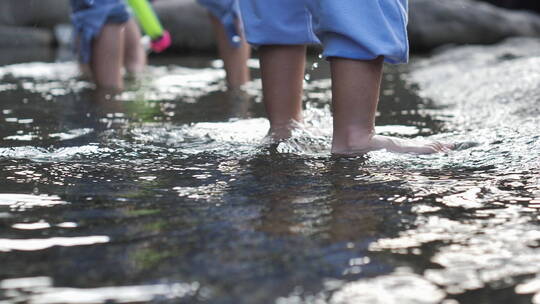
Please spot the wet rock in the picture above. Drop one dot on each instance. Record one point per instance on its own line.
(438, 22)
(532, 5)
(17, 37)
(9, 56)
(492, 90)
(25, 23)
(185, 19)
(432, 22)
(464, 73)
(188, 23)
(38, 13)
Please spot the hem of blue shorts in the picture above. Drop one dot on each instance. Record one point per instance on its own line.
(118, 21)
(230, 27)
(83, 45)
(366, 57)
(396, 52)
(336, 45)
(404, 32)
(258, 45)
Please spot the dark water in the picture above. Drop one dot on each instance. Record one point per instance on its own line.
(169, 193)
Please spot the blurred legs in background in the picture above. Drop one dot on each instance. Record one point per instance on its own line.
(108, 56)
(234, 57)
(135, 58)
(108, 40)
(232, 46)
(357, 37)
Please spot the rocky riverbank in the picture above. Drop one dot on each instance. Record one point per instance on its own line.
(433, 23)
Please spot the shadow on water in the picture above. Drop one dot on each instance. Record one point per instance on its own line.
(168, 193)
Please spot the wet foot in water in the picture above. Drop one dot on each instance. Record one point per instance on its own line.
(282, 132)
(391, 144)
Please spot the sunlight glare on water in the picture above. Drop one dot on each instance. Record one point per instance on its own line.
(120, 198)
(25, 201)
(40, 244)
(39, 290)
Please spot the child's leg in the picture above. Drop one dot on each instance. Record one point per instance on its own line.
(355, 91)
(85, 71)
(234, 57)
(279, 28)
(282, 72)
(134, 54)
(357, 36)
(107, 56)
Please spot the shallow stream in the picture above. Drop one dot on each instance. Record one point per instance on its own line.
(169, 193)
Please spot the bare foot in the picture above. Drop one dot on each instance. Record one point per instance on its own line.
(282, 131)
(393, 144)
(277, 134)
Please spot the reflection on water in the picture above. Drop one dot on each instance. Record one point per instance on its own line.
(39, 244)
(39, 290)
(170, 193)
(21, 202)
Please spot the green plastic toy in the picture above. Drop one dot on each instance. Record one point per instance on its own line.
(161, 39)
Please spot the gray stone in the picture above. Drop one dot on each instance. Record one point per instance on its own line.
(493, 86)
(39, 13)
(188, 24)
(432, 22)
(33, 54)
(20, 37)
(438, 22)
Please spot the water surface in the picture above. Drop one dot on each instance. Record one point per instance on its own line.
(169, 193)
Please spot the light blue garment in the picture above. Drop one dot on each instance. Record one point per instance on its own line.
(89, 17)
(278, 22)
(228, 12)
(354, 29)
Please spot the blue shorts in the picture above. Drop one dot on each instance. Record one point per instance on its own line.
(89, 17)
(228, 12)
(354, 29)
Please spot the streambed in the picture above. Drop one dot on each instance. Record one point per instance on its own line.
(169, 193)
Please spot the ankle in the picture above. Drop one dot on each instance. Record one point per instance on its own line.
(352, 141)
(279, 134)
(280, 131)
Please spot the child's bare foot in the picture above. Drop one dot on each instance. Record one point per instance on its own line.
(277, 134)
(392, 144)
(282, 131)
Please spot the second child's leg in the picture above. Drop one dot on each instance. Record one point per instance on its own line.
(279, 28)
(134, 54)
(107, 57)
(234, 57)
(282, 73)
(355, 95)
